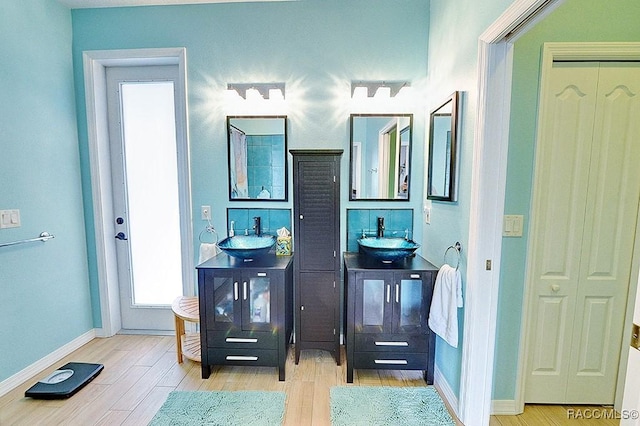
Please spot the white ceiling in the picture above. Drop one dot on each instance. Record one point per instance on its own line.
(80, 4)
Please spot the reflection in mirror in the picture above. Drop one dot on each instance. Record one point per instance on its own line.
(257, 149)
(380, 156)
(442, 151)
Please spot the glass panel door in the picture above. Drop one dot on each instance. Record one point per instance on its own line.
(373, 299)
(410, 303)
(260, 296)
(225, 292)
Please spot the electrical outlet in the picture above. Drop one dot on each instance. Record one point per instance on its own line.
(205, 212)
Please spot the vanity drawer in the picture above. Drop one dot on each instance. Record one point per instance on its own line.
(257, 357)
(390, 360)
(374, 342)
(242, 340)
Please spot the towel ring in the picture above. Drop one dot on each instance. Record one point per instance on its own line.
(209, 229)
(457, 247)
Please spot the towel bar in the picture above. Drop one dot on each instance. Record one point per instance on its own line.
(44, 236)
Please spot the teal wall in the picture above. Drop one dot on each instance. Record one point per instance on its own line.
(315, 46)
(573, 21)
(44, 290)
(455, 26)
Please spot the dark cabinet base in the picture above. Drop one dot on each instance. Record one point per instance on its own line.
(239, 341)
(385, 341)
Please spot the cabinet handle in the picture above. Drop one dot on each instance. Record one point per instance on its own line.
(397, 293)
(392, 343)
(388, 292)
(391, 361)
(244, 290)
(235, 290)
(240, 340)
(415, 275)
(241, 358)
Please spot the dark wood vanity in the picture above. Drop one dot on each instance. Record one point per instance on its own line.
(386, 313)
(246, 315)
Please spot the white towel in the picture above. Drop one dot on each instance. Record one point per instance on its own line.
(447, 297)
(207, 251)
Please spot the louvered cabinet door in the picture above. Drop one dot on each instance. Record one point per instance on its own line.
(316, 199)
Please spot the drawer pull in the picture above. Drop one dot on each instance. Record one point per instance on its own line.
(391, 361)
(415, 275)
(240, 340)
(262, 274)
(241, 358)
(392, 343)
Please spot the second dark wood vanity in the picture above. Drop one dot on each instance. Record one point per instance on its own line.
(386, 313)
(246, 313)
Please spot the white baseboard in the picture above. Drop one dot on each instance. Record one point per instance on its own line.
(20, 377)
(445, 390)
(504, 407)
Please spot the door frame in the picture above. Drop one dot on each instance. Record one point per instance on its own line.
(488, 189)
(578, 51)
(95, 64)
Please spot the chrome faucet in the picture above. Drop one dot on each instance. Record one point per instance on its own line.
(256, 225)
(380, 232)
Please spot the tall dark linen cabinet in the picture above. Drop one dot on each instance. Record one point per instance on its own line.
(316, 214)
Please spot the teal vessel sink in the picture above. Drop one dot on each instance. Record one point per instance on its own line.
(247, 247)
(388, 249)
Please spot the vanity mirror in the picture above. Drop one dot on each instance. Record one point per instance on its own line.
(380, 157)
(257, 149)
(443, 150)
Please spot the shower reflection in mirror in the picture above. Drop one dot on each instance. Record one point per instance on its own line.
(380, 156)
(257, 147)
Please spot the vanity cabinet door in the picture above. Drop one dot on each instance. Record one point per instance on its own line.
(258, 301)
(240, 300)
(411, 293)
(373, 302)
(222, 299)
(392, 302)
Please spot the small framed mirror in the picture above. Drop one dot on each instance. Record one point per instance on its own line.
(257, 149)
(380, 157)
(443, 151)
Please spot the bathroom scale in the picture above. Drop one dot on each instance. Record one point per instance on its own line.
(65, 381)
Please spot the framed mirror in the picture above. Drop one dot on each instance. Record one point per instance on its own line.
(257, 148)
(380, 157)
(443, 151)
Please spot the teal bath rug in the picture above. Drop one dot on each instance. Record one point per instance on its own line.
(364, 405)
(221, 409)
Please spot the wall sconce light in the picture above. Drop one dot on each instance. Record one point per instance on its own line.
(258, 90)
(371, 89)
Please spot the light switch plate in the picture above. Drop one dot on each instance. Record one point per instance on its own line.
(512, 225)
(9, 218)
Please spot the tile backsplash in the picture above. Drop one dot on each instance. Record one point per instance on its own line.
(270, 220)
(397, 223)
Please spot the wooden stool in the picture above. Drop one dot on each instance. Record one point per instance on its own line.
(187, 344)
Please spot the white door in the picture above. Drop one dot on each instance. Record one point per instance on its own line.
(146, 193)
(631, 403)
(583, 219)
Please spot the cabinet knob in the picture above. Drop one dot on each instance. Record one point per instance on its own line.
(301, 217)
(302, 308)
(555, 288)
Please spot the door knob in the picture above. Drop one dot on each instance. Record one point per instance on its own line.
(121, 236)
(555, 288)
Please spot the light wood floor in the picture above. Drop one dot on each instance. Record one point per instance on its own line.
(140, 371)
